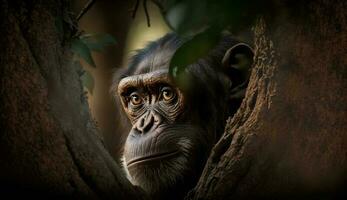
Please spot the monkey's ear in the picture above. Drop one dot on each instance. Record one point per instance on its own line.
(237, 63)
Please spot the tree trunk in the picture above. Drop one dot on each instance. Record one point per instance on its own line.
(48, 143)
(288, 140)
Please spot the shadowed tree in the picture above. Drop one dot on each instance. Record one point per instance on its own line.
(49, 145)
(288, 139)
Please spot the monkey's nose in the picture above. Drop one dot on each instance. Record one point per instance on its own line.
(146, 123)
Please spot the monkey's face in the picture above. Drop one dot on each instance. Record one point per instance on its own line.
(175, 126)
(164, 146)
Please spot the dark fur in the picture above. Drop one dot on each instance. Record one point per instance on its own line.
(201, 124)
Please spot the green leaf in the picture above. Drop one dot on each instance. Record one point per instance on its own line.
(82, 50)
(192, 50)
(189, 17)
(97, 42)
(88, 81)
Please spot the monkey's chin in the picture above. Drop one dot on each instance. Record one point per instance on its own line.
(161, 176)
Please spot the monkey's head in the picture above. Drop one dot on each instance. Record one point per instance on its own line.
(174, 128)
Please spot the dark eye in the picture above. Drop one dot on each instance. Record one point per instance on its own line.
(135, 99)
(167, 93)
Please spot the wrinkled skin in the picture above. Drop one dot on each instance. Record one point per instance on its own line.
(174, 128)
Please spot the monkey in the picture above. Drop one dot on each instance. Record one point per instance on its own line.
(174, 128)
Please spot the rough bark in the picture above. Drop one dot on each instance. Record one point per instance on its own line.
(289, 137)
(48, 143)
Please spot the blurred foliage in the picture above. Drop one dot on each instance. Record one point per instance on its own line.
(202, 21)
(85, 76)
(85, 43)
(88, 81)
(97, 42)
(79, 48)
(187, 17)
(198, 46)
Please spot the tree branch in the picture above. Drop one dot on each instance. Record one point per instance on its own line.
(134, 10)
(146, 12)
(85, 9)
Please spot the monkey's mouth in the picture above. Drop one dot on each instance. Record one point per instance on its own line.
(152, 157)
